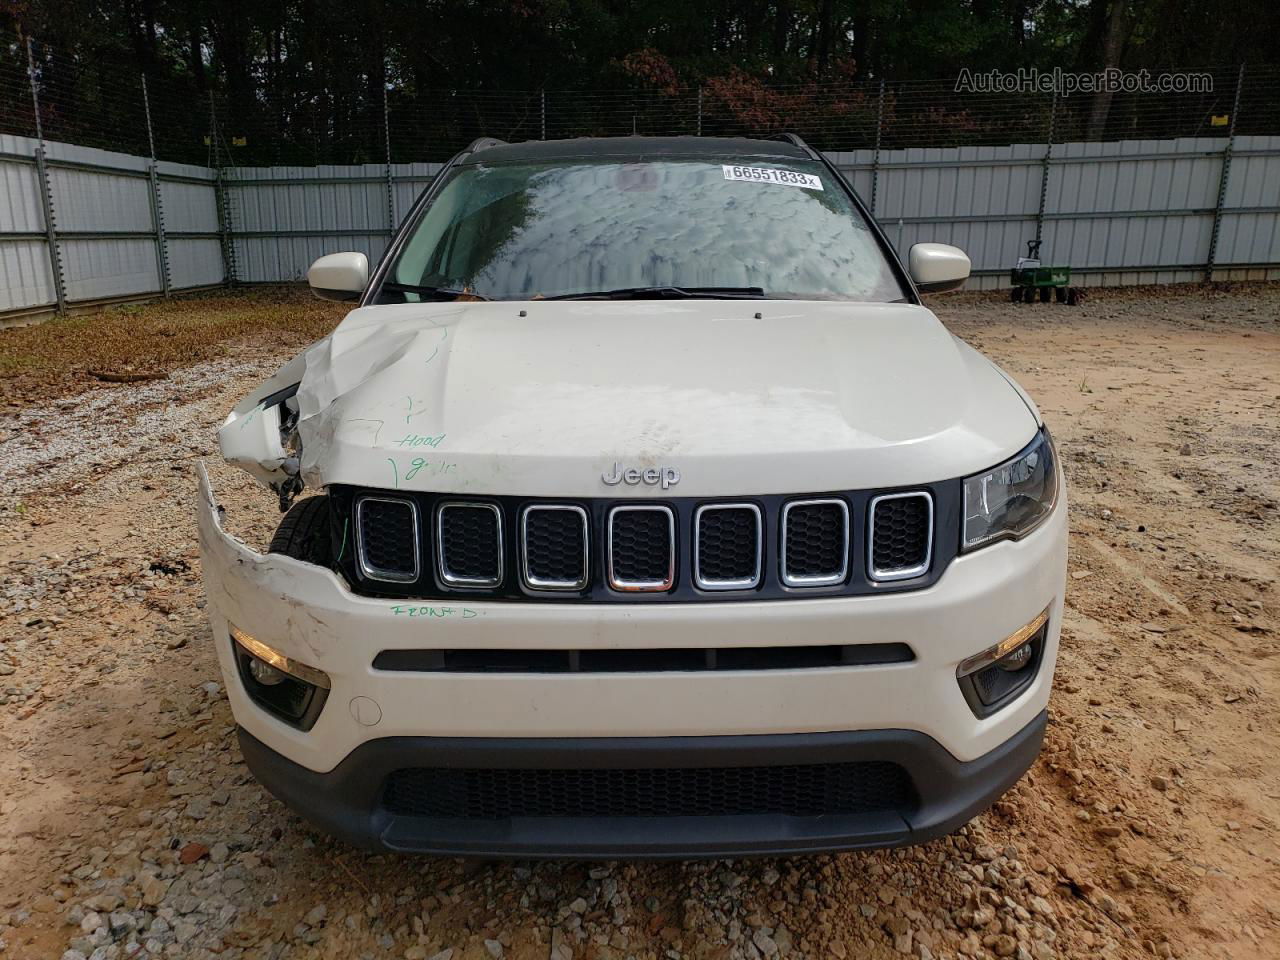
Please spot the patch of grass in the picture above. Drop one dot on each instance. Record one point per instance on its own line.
(54, 358)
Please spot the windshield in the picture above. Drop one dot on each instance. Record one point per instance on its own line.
(683, 227)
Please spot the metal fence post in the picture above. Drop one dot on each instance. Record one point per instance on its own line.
(699, 109)
(157, 206)
(35, 90)
(1045, 163)
(221, 200)
(543, 98)
(46, 192)
(224, 228)
(386, 136)
(51, 230)
(1223, 178)
(875, 157)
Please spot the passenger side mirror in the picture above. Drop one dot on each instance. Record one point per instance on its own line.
(936, 267)
(339, 276)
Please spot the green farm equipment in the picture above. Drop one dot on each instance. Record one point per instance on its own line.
(1029, 276)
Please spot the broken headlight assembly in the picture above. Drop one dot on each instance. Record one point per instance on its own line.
(1012, 499)
(287, 401)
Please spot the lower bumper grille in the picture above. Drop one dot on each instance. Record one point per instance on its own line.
(809, 790)
(643, 660)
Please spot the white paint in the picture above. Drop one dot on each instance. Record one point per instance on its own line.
(339, 276)
(365, 711)
(936, 267)
(813, 396)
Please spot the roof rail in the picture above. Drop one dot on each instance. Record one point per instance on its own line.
(484, 143)
(795, 140)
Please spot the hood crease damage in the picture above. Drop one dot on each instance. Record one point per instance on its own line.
(544, 399)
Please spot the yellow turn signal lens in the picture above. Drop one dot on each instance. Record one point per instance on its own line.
(1005, 647)
(256, 648)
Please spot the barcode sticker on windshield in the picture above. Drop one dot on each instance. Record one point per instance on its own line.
(787, 178)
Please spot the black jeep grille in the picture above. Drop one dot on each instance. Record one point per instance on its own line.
(470, 544)
(817, 541)
(900, 534)
(640, 540)
(555, 547)
(606, 550)
(728, 546)
(808, 790)
(387, 538)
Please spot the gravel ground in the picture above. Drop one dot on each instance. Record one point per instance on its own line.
(130, 827)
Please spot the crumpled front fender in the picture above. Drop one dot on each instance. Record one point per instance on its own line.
(250, 436)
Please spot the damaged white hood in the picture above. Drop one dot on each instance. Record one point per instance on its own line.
(545, 398)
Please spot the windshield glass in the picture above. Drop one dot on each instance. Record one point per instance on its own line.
(524, 231)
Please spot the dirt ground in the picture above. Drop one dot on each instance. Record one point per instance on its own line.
(130, 827)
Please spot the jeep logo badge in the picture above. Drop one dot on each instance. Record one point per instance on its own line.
(653, 476)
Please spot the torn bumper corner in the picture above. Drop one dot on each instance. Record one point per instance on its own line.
(269, 596)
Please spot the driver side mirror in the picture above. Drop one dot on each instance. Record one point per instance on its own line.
(936, 267)
(339, 276)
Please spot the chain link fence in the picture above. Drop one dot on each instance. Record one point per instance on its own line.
(109, 104)
(123, 185)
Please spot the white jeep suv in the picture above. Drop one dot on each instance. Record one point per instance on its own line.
(653, 515)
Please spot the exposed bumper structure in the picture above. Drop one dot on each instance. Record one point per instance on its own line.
(375, 721)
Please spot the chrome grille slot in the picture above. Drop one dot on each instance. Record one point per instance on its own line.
(642, 548)
(815, 542)
(900, 542)
(727, 546)
(469, 544)
(387, 539)
(554, 539)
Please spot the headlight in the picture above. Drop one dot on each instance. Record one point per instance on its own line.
(1012, 499)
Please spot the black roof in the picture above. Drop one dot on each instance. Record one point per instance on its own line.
(636, 148)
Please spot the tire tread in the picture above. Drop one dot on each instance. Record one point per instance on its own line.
(304, 532)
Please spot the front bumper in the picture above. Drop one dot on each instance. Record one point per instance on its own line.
(374, 716)
(347, 802)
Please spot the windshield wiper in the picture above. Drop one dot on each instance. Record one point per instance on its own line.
(439, 293)
(664, 293)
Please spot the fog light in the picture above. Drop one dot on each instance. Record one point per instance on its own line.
(993, 678)
(292, 691)
(1018, 659)
(265, 673)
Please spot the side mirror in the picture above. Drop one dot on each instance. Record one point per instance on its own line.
(936, 267)
(339, 276)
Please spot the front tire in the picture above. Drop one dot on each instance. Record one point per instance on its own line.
(304, 532)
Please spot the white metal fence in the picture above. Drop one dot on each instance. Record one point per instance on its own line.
(1119, 213)
(82, 226)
